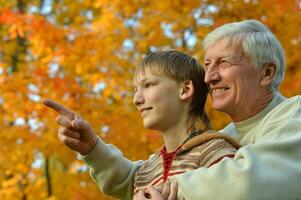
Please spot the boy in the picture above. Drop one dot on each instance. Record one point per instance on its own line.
(170, 94)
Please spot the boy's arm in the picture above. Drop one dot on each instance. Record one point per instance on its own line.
(111, 170)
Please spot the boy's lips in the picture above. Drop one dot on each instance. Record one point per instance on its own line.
(143, 110)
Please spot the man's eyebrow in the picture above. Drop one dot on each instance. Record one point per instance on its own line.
(219, 57)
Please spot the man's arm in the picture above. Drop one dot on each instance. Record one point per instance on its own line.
(269, 168)
(248, 176)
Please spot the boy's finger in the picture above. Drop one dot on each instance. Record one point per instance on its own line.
(154, 194)
(59, 108)
(80, 125)
(63, 121)
(69, 141)
(140, 195)
(69, 133)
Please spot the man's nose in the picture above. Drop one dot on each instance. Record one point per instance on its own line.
(212, 74)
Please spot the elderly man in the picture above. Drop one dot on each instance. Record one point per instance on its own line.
(244, 66)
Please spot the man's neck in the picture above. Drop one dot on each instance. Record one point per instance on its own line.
(252, 110)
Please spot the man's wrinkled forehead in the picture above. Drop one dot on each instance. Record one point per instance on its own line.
(227, 44)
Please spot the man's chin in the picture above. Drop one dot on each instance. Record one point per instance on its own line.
(219, 107)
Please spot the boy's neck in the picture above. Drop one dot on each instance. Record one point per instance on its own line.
(174, 138)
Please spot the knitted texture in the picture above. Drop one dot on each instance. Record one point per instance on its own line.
(203, 150)
(167, 161)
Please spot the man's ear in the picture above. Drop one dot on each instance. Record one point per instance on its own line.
(268, 74)
(187, 90)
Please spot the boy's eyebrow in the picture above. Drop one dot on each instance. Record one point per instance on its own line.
(140, 80)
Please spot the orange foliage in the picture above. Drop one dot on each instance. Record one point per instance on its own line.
(82, 54)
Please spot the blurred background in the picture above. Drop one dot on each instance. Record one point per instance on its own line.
(82, 53)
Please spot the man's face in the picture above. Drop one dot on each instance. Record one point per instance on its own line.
(234, 83)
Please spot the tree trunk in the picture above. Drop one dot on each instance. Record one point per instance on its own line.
(48, 177)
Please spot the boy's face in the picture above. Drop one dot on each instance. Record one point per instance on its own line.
(157, 98)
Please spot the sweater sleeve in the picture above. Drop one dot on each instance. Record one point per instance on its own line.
(111, 170)
(268, 168)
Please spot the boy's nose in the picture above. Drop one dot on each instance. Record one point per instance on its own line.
(138, 98)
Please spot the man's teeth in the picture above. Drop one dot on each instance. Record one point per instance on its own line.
(218, 90)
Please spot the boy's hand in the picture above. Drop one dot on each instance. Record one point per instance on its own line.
(168, 192)
(150, 193)
(74, 132)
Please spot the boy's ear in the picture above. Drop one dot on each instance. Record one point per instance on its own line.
(268, 74)
(187, 90)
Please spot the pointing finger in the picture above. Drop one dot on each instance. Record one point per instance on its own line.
(59, 108)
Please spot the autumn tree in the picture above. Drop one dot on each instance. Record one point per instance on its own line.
(82, 54)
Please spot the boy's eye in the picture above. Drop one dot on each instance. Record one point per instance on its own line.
(148, 84)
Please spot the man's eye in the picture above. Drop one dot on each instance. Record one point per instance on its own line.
(225, 63)
(206, 64)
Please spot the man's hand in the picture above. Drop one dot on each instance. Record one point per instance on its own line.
(168, 192)
(74, 132)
